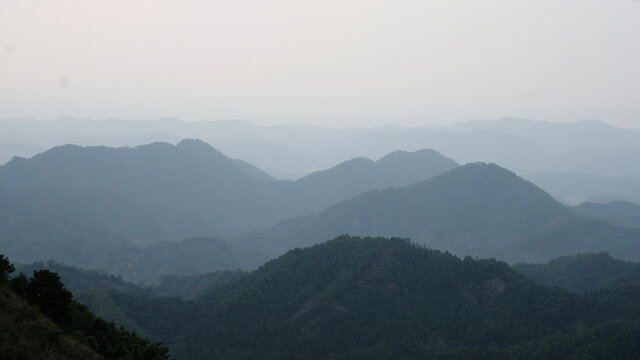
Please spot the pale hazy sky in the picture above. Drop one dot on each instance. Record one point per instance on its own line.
(325, 62)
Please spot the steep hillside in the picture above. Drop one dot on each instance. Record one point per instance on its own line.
(477, 209)
(28, 334)
(40, 320)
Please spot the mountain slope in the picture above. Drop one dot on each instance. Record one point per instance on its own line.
(182, 258)
(164, 192)
(363, 298)
(477, 209)
(28, 334)
(40, 319)
(583, 272)
(621, 213)
(353, 177)
(190, 188)
(100, 207)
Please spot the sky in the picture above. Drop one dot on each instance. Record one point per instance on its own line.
(337, 63)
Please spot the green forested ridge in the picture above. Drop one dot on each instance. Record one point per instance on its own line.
(40, 320)
(477, 209)
(583, 272)
(363, 298)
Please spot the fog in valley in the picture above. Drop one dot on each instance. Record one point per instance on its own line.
(319, 179)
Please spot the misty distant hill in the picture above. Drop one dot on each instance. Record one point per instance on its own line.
(558, 136)
(621, 213)
(180, 258)
(292, 151)
(190, 188)
(399, 168)
(477, 209)
(109, 203)
(30, 232)
(579, 187)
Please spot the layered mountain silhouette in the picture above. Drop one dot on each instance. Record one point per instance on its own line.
(477, 209)
(99, 206)
(350, 178)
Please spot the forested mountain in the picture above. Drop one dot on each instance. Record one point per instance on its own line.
(362, 298)
(77, 280)
(621, 213)
(40, 320)
(478, 209)
(583, 272)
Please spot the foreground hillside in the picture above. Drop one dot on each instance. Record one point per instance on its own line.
(363, 298)
(479, 209)
(40, 320)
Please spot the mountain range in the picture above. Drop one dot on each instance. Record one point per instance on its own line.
(478, 209)
(116, 207)
(292, 151)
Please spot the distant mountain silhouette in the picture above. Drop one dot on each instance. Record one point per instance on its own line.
(399, 168)
(558, 136)
(621, 213)
(478, 209)
(103, 201)
(190, 188)
(579, 187)
(182, 258)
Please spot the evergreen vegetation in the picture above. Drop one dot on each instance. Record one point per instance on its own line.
(375, 298)
(583, 272)
(40, 320)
